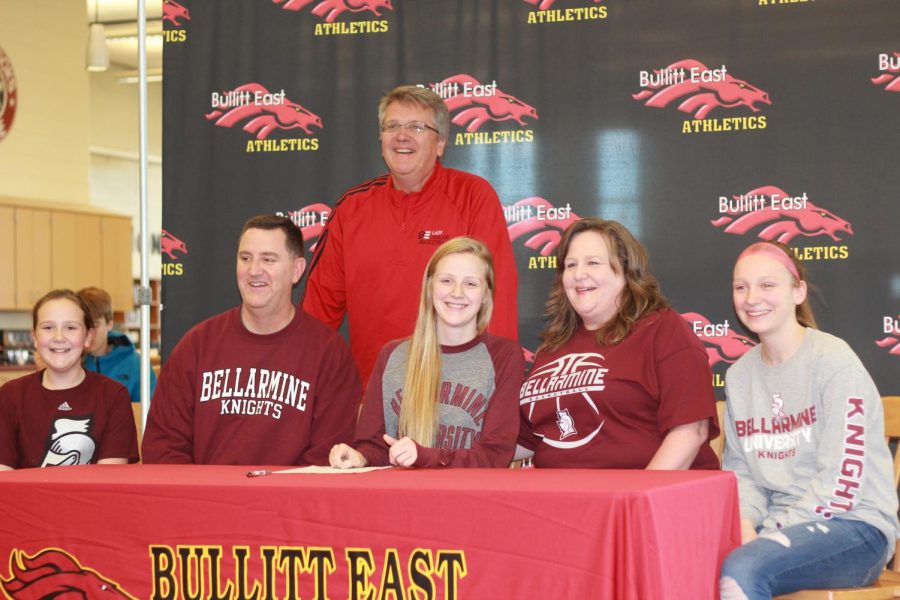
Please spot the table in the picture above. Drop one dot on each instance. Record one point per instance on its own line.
(209, 532)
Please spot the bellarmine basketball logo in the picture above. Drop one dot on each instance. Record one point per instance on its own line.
(781, 216)
(697, 89)
(332, 9)
(566, 388)
(54, 573)
(472, 103)
(261, 111)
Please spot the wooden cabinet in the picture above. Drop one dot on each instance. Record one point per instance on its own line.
(64, 260)
(77, 245)
(7, 258)
(60, 247)
(115, 237)
(33, 255)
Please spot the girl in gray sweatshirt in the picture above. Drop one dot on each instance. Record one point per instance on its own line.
(804, 433)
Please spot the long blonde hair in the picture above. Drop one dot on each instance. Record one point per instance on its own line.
(419, 409)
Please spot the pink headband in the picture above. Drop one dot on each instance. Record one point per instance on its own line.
(773, 252)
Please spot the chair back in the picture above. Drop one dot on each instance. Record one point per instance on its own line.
(138, 420)
(892, 433)
(718, 443)
(892, 428)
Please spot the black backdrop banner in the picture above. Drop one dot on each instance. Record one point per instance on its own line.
(702, 126)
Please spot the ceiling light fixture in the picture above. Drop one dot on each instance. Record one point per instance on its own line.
(97, 53)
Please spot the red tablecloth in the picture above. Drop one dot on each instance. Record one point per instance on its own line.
(171, 532)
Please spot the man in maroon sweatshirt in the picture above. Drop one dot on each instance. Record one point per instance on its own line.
(260, 384)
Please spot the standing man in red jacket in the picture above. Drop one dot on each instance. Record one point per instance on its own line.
(370, 259)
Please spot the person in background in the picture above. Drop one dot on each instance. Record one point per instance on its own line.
(447, 396)
(620, 381)
(405, 214)
(804, 433)
(111, 353)
(62, 414)
(260, 384)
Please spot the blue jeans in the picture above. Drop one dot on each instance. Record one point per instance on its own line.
(818, 554)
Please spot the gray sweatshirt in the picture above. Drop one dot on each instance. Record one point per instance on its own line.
(806, 439)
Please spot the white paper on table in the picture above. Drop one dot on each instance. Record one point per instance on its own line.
(328, 470)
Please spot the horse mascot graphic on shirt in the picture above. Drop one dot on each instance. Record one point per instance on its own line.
(702, 97)
(265, 118)
(331, 9)
(784, 224)
(54, 574)
(471, 111)
(545, 234)
(70, 443)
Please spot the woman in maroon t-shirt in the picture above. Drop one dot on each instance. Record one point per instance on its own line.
(620, 380)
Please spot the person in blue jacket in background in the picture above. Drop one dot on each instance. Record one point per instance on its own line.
(112, 353)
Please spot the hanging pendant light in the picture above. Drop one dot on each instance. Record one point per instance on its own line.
(97, 53)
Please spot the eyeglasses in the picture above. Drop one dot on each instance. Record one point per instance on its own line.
(392, 127)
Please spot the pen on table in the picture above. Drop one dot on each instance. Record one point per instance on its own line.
(258, 473)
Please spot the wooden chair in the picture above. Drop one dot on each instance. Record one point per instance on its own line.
(718, 444)
(136, 409)
(888, 584)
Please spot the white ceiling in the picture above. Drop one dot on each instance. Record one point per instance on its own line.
(119, 18)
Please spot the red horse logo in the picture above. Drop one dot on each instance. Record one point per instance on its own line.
(546, 232)
(54, 573)
(172, 11)
(330, 9)
(891, 79)
(475, 111)
(545, 4)
(720, 348)
(808, 221)
(169, 244)
(891, 341)
(313, 231)
(700, 98)
(264, 119)
(529, 356)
